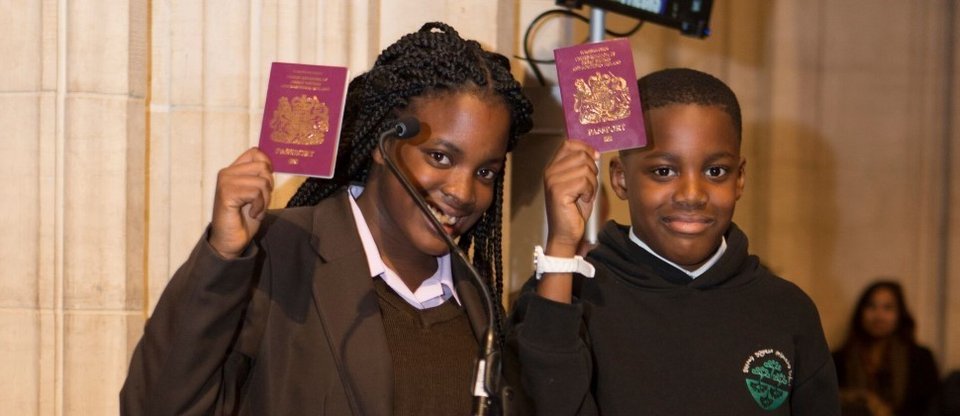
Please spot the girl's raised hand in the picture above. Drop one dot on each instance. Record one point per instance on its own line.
(241, 201)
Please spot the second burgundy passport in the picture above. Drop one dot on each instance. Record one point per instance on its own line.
(600, 97)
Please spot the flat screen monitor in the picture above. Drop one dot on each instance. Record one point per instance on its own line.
(690, 17)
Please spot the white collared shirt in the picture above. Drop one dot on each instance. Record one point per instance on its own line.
(693, 274)
(432, 292)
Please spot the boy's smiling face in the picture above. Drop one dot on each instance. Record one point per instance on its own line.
(682, 188)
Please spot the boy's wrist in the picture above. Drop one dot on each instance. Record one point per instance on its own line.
(560, 249)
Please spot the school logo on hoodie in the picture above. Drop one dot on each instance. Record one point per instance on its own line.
(768, 374)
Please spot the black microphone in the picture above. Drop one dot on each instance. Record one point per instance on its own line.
(487, 380)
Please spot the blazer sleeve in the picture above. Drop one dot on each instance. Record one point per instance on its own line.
(556, 365)
(182, 360)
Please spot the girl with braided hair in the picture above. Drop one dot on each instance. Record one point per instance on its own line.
(348, 301)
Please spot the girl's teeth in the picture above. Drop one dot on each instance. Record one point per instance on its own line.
(443, 218)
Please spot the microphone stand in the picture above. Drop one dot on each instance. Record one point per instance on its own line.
(487, 379)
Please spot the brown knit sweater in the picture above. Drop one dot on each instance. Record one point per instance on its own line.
(434, 351)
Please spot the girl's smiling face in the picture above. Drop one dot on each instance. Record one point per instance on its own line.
(454, 161)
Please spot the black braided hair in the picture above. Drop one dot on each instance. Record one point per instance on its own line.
(431, 62)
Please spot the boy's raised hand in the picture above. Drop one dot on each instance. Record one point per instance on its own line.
(241, 201)
(570, 185)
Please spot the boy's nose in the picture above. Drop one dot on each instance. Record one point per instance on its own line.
(690, 190)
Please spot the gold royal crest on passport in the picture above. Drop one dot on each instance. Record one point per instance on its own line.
(601, 98)
(301, 120)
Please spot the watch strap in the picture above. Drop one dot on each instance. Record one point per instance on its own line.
(551, 264)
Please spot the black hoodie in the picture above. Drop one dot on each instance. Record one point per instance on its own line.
(643, 338)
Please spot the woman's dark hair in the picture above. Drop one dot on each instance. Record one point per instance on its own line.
(906, 326)
(432, 62)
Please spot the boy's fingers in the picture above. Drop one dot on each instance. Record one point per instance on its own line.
(574, 180)
(580, 146)
(573, 153)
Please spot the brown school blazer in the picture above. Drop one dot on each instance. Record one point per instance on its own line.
(308, 339)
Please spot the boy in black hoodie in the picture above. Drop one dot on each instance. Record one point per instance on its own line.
(679, 319)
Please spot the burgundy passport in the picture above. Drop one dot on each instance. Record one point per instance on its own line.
(599, 93)
(302, 116)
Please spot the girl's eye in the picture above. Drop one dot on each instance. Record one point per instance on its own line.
(487, 174)
(440, 158)
(716, 171)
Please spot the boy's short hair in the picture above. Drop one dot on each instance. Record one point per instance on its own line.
(688, 86)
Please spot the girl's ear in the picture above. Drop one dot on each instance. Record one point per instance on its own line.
(376, 156)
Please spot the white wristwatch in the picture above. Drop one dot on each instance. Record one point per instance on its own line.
(550, 264)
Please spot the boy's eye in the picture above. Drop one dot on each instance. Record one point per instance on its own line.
(716, 171)
(440, 158)
(664, 172)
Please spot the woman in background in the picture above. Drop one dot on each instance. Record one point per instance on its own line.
(880, 366)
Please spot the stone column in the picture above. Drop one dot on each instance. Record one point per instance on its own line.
(72, 92)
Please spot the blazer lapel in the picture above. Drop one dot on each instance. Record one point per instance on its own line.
(471, 296)
(511, 400)
(349, 309)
